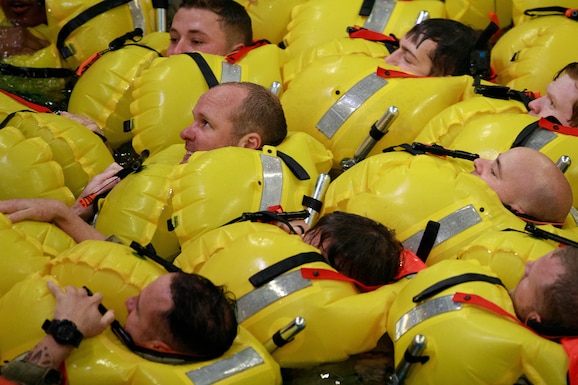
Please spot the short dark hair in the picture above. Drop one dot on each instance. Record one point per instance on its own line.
(359, 247)
(260, 112)
(454, 40)
(234, 18)
(559, 301)
(571, 70)
(203, 319)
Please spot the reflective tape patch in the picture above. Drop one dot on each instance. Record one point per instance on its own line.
(539, 138)
(230, 73)
(450, 226)
(222, 369)
(342, 109)
(272, 182)
(256, 300)
(379, 16)
(424, 311)
(137, 14)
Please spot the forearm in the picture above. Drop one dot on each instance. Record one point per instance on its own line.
(76, 227)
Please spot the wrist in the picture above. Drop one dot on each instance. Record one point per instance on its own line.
(64, 332)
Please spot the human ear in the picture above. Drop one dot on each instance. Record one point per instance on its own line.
(237, 47)
(251, 140)
(158, 346)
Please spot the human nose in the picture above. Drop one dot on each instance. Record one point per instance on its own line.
(130, 304)
(479, 165)
(535, 106)
(393, 58)
(188, 133)
(178, 47)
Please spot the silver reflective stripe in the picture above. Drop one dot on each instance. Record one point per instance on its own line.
(574, 214)
(278, 288)
(380, 14)
(137, 14)
(348, 103)
(451, 225)
(230, 73)
(272, 181)
(539, 138)
(423, 312)
(245, 359)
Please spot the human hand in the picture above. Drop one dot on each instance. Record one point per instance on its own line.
(34, 209)
(100, 184)
(76, 305)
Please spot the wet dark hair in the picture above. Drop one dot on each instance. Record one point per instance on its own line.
(358, 247)
(454, 40)
(233, 18)
(203, 320)
(571, 70)
(558, 302)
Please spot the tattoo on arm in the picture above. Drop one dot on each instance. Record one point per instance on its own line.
(40, 357)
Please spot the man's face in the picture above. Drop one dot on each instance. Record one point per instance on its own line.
(560, 96)
(24, 13)
(412, 57)
(538, 275)
(143, 322)
(503, 174)
(195, 29)
(213, 126)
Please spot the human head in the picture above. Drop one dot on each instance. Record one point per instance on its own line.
(561, 99)
(529, 183)
(185, 313)
(24, 13)
(356, 246)
(239, 114)
(547, 295)
(435, 47)
(218, 27)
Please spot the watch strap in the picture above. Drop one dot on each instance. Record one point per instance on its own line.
(54, 328)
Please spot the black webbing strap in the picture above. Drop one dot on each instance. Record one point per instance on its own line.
(82, 18)
(205, 68)
(449, 282)
(375, 133)
(294, 166)
(36, 73)
(9, 117)
(570, 13)
(366, 7)
(525, 134)
(283, 266)
(427, 241)
(311, 202)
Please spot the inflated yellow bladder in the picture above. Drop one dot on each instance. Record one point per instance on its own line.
(338, 46)
(21, 255)
(337, 100)
(479, 13)
(165, 94)
(317, 22)
(489, 127)
(519, 6)
(79, 152)
(339, 320)
(27, 169)
(465, 343)
(404, 192)
(112, 270)
(528, 55)
(104, 91)
(137, 209)
(218, 186)
(269, 18)
(506, 252)
(77, 34)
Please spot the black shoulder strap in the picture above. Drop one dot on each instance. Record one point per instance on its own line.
(294, 166)
(205, 68)
(9, 117)
(283, 266)
(449, 282)
(427, 241)
(366, 7)
(81, 19)
(525, 134)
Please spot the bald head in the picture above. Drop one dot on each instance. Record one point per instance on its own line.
(529, 183)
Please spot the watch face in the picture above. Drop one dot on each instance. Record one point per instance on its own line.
(66, 331)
